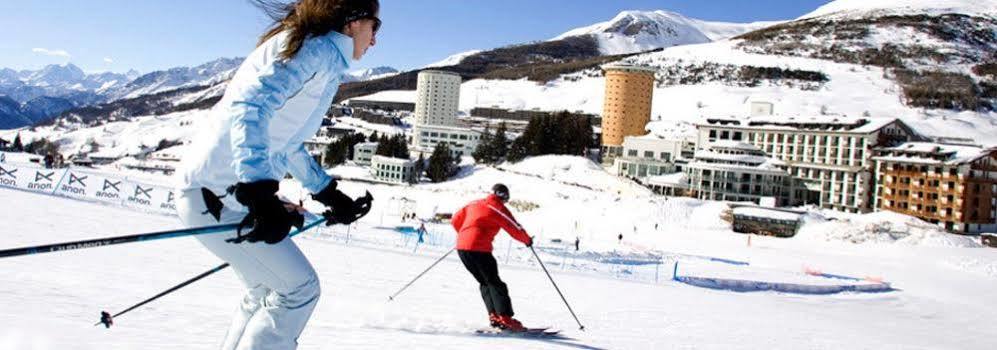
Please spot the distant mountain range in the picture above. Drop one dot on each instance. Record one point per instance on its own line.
(30, 97)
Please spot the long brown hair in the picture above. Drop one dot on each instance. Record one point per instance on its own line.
(308, 18)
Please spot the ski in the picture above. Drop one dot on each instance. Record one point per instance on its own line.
(542, 332)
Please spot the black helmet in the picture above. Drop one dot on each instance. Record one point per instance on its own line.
(501, 191)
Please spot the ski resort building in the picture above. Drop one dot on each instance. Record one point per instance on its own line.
(738, 172)
(953, 186)
(831, 156)
(437, 98)
(765, 221)
(649, 156)
(394, 170)
(461, 141)
(627, 106)
(363, 152)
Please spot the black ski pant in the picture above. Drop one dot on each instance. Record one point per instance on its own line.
(494, 292)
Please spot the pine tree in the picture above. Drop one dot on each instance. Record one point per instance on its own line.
(518, 151)
(420, 167)
(401, 147)
(18, 146)
(384, 146)
(483, 154)
(373, 137)
(499, 144)
(441, 164)
(336, 153)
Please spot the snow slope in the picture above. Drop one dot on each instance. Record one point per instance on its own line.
(852, 90)
(452, 59)
(52, 300)
(858, 7)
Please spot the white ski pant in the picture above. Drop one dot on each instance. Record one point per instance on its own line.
(282, 287)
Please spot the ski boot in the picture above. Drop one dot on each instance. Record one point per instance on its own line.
(509, 324)
(493, 319)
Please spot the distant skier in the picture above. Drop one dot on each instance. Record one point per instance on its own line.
(476, 225)
(577, 242)
(254, 137)
(422, 232)
(620, 238)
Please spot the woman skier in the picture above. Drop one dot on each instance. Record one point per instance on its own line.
(254, 137)
(476, 225)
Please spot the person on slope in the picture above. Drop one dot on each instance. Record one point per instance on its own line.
(252, 138)
(476, 225)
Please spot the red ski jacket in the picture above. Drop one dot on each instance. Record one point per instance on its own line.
(478, 223)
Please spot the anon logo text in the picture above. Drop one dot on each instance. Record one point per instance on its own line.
(109, 184)
(9, 173)
(47, 177)
(77, 179)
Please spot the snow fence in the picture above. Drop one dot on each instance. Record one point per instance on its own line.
(89, 186)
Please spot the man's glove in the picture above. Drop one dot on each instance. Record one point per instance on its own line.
(342, 209)
(269, 219)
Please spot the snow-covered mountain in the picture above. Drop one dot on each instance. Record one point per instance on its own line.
(452, 59)
(900, 7)
(924, 65)
(637, 31)
(180, 77)
(369, 74)
(47, 92)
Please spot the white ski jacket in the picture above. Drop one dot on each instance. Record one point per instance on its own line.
(270, 107)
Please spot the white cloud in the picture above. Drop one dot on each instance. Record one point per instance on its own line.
(108, 60)
(47, 52)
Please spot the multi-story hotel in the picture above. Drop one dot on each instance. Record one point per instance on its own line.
(831, 156)
(437, 100)
(953, 186)
(626, 108)
(738, 172)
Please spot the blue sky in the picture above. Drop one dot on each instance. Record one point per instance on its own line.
(147, 35)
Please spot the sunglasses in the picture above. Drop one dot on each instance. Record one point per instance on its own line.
(364, 15)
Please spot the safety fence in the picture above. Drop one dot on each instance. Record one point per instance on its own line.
(88, 185)
(93, 186)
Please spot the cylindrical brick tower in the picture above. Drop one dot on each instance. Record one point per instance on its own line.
(626, 109)
(437, 98)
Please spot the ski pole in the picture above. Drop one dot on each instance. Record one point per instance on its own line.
(107, 319)
(580, 326)
(392, 297)
(100, 242)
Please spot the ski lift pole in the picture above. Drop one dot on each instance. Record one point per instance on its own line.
(580, 326)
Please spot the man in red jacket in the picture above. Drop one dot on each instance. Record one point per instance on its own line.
(476, 225)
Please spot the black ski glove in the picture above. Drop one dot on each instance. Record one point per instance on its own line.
(343, 209)
(269, 219)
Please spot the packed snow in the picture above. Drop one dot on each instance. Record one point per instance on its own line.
(52, 300)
